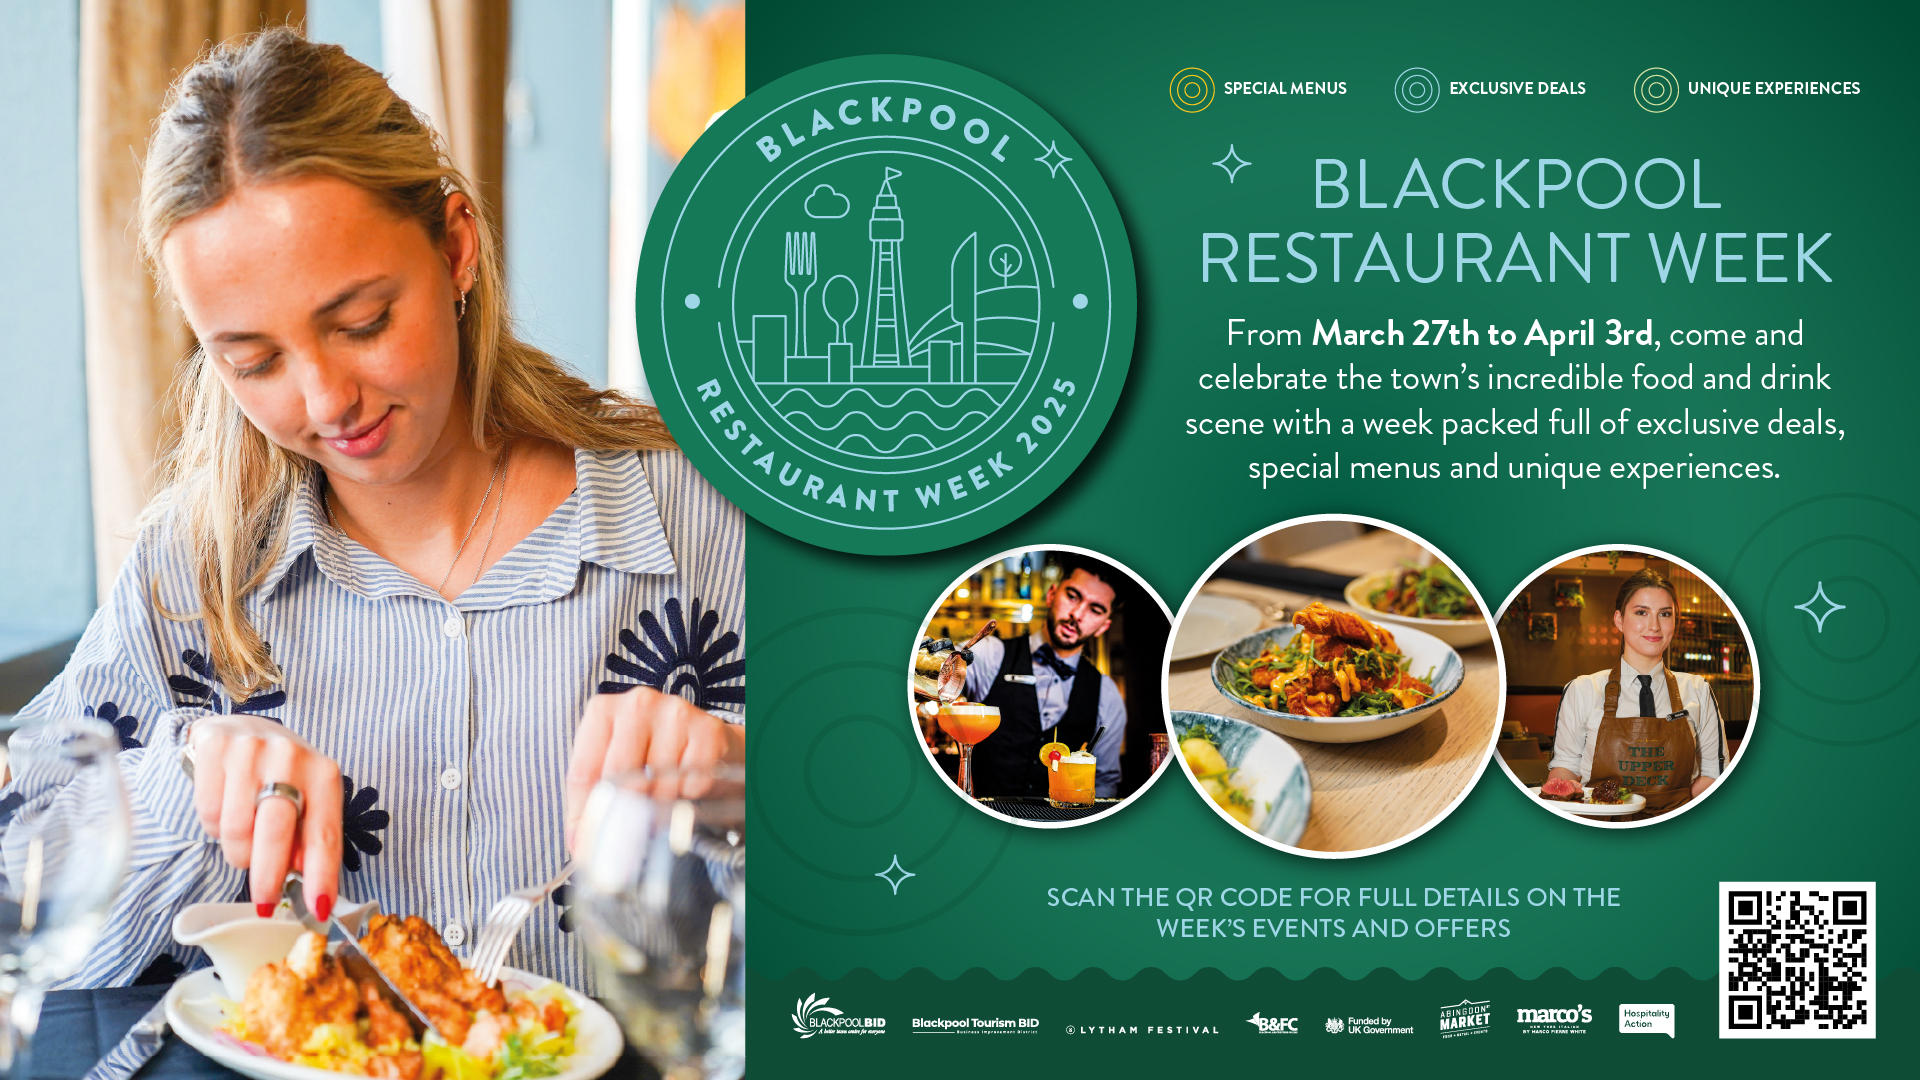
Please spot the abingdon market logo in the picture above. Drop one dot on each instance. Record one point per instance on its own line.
(886, 305)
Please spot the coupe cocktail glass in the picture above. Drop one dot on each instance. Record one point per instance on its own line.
(968, 724)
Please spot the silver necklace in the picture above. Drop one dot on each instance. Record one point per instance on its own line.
(498, 464)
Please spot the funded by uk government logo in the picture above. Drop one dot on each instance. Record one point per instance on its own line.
(886, 304)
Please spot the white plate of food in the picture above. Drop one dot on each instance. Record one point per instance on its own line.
(1416, 597)
(199, 1011)
(1587, 808)
(1251, 776)
(1212, 623)
(1409, 674)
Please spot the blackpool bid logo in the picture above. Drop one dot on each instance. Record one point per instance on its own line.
(886, 304)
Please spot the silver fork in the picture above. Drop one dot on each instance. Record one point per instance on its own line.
(504, 922)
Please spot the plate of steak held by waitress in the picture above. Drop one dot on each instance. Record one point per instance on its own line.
(1605, 798)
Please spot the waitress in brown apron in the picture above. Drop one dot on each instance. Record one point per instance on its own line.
(1653, 730)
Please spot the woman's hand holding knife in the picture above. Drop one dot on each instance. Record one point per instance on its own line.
(246, 772)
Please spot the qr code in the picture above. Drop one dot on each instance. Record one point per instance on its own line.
(1796, 960)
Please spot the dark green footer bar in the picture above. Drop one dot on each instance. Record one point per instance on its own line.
(803, 1025)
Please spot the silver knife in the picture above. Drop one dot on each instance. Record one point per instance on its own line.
(136, 1048)
(358, 964)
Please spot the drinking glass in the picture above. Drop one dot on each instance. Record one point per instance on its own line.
(660, 902)
(61, 862)
(968, 724)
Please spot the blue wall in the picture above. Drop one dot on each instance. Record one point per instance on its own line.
(556, 180)
(46, 517)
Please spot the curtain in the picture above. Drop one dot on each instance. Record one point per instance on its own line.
(130, 51)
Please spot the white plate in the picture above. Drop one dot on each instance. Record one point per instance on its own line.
(1212, 623)
(1631, 806)
(195, 1013)
(1265, 766)
(1459, 633)
(1424, 654)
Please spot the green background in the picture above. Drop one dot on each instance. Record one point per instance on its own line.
(839, 789)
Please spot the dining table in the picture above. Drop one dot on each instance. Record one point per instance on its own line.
(78, 1027)
(1366, 794)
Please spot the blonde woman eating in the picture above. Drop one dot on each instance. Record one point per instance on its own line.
(410, 587)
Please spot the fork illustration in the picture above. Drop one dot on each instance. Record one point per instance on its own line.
(803, 266)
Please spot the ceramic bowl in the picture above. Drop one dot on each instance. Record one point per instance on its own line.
(1264, 765)
(238, 940)
(1459, 633)
(1423, 651)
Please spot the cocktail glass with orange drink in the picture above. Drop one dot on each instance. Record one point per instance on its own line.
(968, 724)
(1070, 780)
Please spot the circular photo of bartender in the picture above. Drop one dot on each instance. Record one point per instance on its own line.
(1631, 686)
(1035, 686)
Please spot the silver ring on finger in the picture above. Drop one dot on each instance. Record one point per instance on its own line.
(277, 790)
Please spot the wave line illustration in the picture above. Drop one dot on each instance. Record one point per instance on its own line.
(841, 396)
(796, 417)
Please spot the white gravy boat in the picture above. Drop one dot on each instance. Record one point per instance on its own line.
(238, 940)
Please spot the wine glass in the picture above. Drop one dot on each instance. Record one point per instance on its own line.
(61, 862)
(660, 903)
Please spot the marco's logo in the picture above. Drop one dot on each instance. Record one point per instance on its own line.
(886, 305)
(1191, 89)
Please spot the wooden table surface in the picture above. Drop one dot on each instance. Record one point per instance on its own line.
(1370, 793)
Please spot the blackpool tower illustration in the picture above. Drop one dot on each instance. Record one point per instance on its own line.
(888, 307)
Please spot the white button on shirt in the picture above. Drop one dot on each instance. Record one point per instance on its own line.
(450, 779)
(454, 934)
(1582, 700)
(453, 626)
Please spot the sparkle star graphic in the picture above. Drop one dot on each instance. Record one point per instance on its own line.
(887, 875)
(1232, 163)
(1820, 617)
(1053, 159)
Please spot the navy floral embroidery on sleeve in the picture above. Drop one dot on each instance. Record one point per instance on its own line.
(206, 694)
(359, 821)
(672, 663)
(124, 726)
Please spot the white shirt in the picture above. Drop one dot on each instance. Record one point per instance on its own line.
(1052, 691)
(1580, 707)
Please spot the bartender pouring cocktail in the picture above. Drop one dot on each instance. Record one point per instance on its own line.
(1047, 691)
(1654, 730)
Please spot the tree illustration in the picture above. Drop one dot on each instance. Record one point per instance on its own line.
(1005, 261)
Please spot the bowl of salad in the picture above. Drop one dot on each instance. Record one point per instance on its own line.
(1431, 598)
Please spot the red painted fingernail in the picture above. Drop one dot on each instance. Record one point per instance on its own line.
(323, 907)
(265, 911)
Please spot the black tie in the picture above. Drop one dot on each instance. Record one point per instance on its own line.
(1646, 695)
(1044, 654)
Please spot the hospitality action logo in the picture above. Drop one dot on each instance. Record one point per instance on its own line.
(886, 304)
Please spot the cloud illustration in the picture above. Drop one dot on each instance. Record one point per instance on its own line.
(827, 203)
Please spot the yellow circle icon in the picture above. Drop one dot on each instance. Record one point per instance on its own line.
(1191, 89)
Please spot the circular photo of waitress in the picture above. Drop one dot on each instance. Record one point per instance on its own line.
(1035, 686)
(1631, 687)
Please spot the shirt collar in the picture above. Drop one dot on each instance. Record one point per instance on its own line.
(611, 519)
(1628, 674)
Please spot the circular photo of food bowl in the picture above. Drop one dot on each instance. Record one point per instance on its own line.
(1631, 686)
(1334, 686)
(1036, 686)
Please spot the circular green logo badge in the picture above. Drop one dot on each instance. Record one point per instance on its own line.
(886, 304)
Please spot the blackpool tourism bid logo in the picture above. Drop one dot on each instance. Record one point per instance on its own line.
(886, 304)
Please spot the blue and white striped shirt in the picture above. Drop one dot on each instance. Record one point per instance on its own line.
(451, 720)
